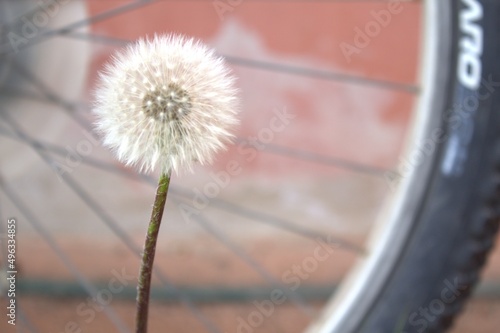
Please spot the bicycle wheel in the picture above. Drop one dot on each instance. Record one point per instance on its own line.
(445, 227)
(438, 223)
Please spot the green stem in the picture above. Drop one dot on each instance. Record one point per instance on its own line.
(144, 285)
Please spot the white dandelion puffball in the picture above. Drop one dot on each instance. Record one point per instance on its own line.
(166, 102)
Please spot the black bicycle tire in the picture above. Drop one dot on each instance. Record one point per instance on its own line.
(459, 214)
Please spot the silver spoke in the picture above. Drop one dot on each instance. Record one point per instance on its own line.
(253, 215)
(25, 322)
(331, 161)
(278, 150)
(112, 225)
(271, 220)
(68, 263)
(344, 78)
(321, 74)
(200, 219)
(240, 253)
(46, 35)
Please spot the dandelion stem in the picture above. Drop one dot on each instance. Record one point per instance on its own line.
(144, 285)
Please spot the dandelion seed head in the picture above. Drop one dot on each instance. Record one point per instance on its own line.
(166, 102)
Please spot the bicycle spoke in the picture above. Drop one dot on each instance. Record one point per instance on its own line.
(270, 148)
(182, 192)
(221, 204)
(49, 96)
(113, 226)
(280, 68)
(240, 253)
(203, 222)
(95, 38)
(41, 86)
(45, 35)
(9, 92)
(25, 321)
(40, 228)
(61, 151)
(270, 220)
(322, 160)
(322, 74)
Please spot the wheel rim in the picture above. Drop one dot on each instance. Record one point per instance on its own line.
(345, 313)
